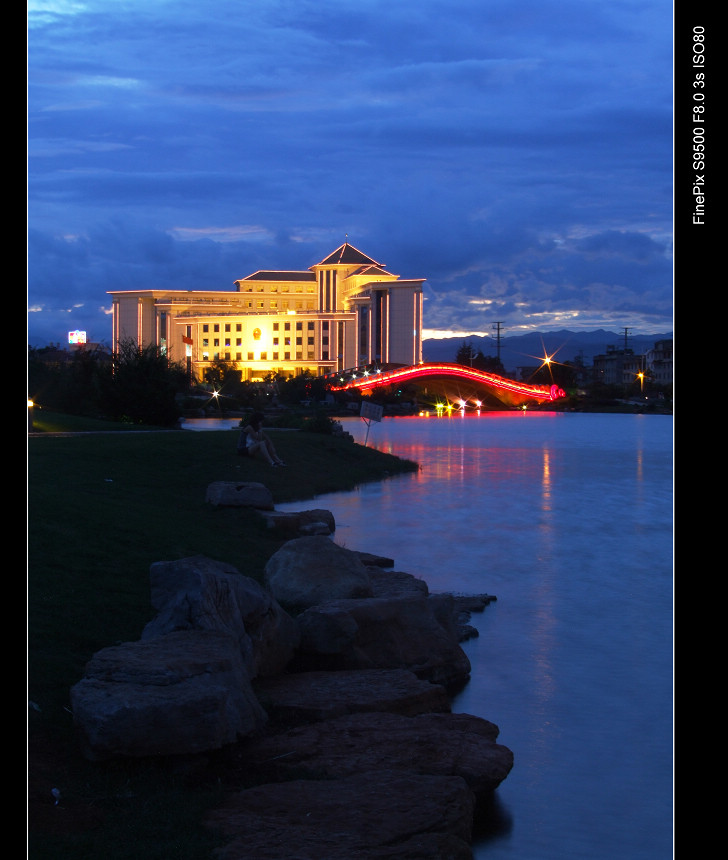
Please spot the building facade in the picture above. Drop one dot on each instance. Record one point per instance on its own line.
(622, 366)
(346, 311)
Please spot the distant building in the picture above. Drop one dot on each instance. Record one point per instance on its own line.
(621, 366)
(346, 311)
(658, 362)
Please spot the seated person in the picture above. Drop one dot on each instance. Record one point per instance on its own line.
(259, 443)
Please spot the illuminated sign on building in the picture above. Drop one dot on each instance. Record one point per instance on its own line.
(77, 336)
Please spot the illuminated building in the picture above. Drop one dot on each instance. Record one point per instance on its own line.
(345, 311)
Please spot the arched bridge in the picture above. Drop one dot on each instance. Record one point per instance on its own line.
(455, 381)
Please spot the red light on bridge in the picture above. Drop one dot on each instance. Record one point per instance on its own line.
(510, 387)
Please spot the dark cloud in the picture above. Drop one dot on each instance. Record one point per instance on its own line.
(515, 153)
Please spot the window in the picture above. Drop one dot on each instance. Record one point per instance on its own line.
(264, 356)
(238, 341)
(216, 327)
(216, 342)
(299, 326)
(261, 305)
(238, 326)
(275, 341)
(309, 326)
(286, 326)
(227, 326)
(250, 356)
(287, 341)
(238, 356)
(287, 356)
(275, 356)
(227, 356)
(299, 341)
(205, 327)
(275, 326)
(310, 341)
(205, 342)
(227, 341)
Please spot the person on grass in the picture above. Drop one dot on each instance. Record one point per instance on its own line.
(258, 442)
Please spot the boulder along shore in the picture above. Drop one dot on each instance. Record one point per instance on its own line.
(321, 698)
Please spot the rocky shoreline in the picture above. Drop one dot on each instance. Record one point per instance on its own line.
(324, 695)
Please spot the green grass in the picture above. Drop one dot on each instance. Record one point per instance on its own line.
(101, 509)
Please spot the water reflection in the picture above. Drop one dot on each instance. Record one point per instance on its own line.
(567, 520)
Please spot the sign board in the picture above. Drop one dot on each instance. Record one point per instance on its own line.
(371, 411)
(77, 336)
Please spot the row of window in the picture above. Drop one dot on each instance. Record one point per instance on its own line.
(272, 305)
(284, 289)
(275, 356)
(276, 326)
(310, 341)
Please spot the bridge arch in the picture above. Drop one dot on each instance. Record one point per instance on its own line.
(445, 375)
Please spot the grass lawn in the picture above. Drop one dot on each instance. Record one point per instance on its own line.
(102, 507)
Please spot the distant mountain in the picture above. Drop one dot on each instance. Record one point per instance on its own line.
(524, 350)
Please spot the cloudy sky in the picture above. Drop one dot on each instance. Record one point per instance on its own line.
(515, 153)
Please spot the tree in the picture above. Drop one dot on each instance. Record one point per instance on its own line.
(470, 357)
(140, 385)
(63, 381)
(555, 373)
(305, 386)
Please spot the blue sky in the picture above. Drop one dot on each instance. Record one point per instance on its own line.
(515, 153)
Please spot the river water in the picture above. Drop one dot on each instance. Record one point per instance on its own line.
(567, 519)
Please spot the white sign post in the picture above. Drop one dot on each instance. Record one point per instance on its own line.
(370, 412)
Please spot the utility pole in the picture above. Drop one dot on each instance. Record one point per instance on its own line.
(497, 329)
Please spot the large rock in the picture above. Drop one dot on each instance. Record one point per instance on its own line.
(307, 697)
(199, 593)
(371, 816)
(381, 633)
(183, 693)
(239, 494)
(307, 571)
(293, 524)
(395, 583)
(442, 744)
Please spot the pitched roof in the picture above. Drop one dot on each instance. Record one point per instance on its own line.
(279, 276)
(346, 254)
(372, 270)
